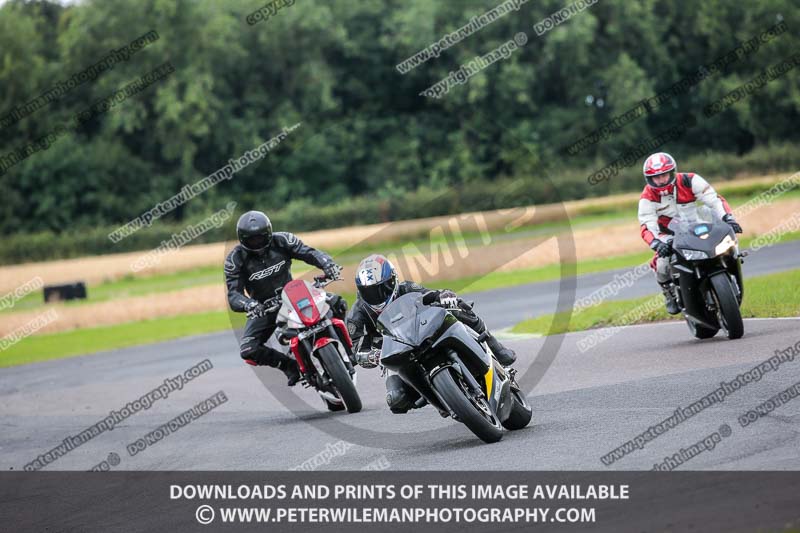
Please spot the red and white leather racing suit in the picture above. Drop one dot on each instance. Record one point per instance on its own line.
(658, 206)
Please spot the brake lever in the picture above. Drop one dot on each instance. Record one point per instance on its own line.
(322, 282)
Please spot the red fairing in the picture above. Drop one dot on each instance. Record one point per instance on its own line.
(250, 362)
(294, 344)
(324, 341)
(339, 324)
(296, 291)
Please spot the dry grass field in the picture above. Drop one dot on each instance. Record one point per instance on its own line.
(98, 269)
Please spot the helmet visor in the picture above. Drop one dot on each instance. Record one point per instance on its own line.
(377, 294)
(664, 179)
(256, 242)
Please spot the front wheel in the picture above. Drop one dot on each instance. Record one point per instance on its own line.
(728, 313)
(475, 413)
(334, 367)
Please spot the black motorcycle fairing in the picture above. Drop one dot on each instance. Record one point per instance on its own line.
(419, 340)
(409, 320)
(703, 234)
(458, 339)
(393, 349)
(699, 236)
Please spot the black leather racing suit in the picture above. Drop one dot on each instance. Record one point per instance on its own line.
(256, 277)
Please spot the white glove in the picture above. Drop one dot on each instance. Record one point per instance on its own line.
(448, 299)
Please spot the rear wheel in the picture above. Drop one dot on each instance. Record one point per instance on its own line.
(521, 411)
(700, 331)
(334, 367)
(474, 413)
(728, 314)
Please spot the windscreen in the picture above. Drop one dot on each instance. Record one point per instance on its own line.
(691, 221)
(398, 319)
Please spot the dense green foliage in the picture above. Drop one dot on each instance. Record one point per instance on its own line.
(366, 131)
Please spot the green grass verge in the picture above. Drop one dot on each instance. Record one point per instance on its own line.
(82, 341)
(770, 296)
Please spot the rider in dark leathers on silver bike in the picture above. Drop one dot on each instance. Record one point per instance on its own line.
(377, 284)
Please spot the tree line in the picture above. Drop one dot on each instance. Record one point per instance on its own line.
(369, 135)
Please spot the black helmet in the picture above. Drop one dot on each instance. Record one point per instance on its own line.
(255, 231)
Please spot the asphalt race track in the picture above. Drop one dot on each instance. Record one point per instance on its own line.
(585, 404)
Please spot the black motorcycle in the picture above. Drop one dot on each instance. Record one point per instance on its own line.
(450, 366)
(706, 267)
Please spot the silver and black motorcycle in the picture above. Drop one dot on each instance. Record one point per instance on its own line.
(706, 268)
(450, 366)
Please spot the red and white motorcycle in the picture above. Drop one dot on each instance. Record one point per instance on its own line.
(319, 342)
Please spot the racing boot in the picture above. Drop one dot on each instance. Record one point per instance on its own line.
(285, 364)
(669, 298)
(267, 356)
(399, 396)
(505, 356)
(289, 367)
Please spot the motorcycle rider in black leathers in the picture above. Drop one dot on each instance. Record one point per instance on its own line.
(377, 284)
(254, 270)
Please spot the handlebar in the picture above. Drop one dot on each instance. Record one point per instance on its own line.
(274, 303)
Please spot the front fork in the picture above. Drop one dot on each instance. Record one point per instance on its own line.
(454, 361)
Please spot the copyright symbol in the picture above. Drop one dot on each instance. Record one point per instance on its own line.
(725, 430)
(521, 38)
(204, 514)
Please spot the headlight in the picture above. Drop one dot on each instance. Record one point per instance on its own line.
(694, 255)
(726, 244)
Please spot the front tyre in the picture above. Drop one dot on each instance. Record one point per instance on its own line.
(333, 406)
(700, 331)
(474, 413)
(728, 313)
(521, 411)
(334, 367)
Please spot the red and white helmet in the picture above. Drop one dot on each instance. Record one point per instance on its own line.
(657, 164)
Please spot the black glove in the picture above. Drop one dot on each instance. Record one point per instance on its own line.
(732, 223)
(255, 309)
(663, 249)
(332, 270)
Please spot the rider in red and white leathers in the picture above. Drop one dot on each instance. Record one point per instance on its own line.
(668, 194)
